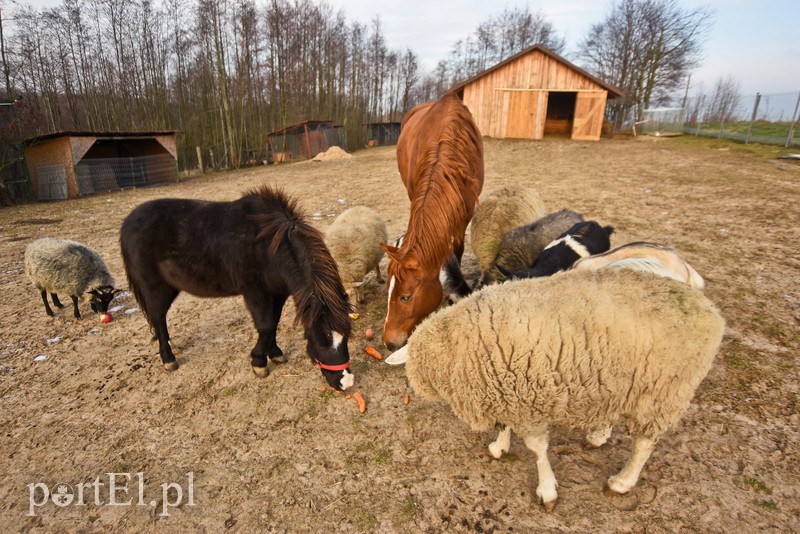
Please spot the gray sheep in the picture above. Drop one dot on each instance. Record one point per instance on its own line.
(598, 347)
(520, 247)
(62, 266)
(354, 240)
(499, 212)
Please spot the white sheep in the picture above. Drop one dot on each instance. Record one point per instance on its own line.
(354, 240)
(520, 247)
(498, 213)
(595, 348)
(643, 256)
(62, 266)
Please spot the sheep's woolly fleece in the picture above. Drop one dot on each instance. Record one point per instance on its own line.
(580, 349)
(66, 267)
(499, 212)
(354, 240)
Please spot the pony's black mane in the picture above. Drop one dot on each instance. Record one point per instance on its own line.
(323, 302)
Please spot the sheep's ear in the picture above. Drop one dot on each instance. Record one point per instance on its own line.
(398, 357)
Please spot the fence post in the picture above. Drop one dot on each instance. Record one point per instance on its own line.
(752, 118)
(200, 159)
(794, 123)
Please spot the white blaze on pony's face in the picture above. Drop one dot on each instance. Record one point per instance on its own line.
(333, 360)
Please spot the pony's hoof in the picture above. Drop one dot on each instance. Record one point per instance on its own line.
(171, 366)
(261, 372)
(279, 359)
(549, 505)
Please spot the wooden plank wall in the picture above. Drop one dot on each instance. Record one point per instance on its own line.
(500, 112)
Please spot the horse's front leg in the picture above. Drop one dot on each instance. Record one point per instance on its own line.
(266, 312)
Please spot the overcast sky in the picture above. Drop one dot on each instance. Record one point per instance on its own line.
(757, 42)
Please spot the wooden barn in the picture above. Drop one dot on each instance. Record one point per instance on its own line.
(303, 140)
(71, 164)
(536, 94)
(383, 133)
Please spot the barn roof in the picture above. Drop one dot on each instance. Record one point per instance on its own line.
(613, 92)
(300, 125)
(106, 134)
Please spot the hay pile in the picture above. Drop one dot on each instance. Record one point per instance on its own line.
(334, 153)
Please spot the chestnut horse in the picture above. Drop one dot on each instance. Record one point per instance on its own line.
(440, 157)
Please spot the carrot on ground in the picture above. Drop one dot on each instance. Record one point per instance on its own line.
(362, 403)
(406, 399)
(372, 351)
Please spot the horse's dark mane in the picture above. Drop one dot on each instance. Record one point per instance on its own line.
(438, 212)
(324, 301)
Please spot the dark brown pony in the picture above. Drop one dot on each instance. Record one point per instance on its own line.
(440, 157)
(260, 247)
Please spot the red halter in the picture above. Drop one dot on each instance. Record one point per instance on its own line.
(340, 367)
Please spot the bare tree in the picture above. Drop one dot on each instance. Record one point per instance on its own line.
(646, 48)
(725, 101)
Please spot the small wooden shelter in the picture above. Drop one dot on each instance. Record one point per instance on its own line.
(537, 93)
(71, 164)
(302, 140)
(383, 133)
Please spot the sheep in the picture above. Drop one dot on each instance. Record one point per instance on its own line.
(62, 266)
(583, 239)
(598, 347)
(644, 256)
(499, 212)
(354, 240)
(520, 247)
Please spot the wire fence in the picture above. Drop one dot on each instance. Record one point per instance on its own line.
(109, 174)
(770, 119)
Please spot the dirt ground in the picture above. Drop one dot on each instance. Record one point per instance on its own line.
(81, 399)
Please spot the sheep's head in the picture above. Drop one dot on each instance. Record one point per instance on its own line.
(100, 298)
(413, 294)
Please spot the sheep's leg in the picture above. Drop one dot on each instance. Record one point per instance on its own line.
(502, 444)
(626, 479)
(378, 275)
(47, 308)
(56, 302)
(546, 489)
(266, 311)
(75, 307)
(598, 438)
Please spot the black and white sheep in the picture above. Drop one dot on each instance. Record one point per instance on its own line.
(643, 256)
(598, 347)
(499, 212)
(582, 240)
(62, 266)
(354, 240)
(520, 247)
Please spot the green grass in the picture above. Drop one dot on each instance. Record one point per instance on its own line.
(758, 486)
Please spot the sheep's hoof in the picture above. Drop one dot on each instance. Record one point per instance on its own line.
(589, 446)
(261, 372)
(495, 454)
(549, 505)
(171, 366)
(280, 358)
(615, 487)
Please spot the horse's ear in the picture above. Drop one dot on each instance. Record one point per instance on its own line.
(390, 251)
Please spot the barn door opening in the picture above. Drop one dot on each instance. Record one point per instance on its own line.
(560, 113)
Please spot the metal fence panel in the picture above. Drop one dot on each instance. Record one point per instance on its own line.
(52, 182)
(110, 174)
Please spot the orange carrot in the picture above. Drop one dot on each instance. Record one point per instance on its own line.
(372, 351)
(362, 403)
(347, 397)
(406, 399)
